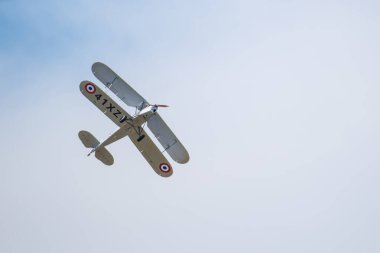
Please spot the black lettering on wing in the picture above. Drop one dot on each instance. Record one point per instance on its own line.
(110, 107)
(117, 113)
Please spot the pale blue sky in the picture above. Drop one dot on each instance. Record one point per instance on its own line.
(276, 101)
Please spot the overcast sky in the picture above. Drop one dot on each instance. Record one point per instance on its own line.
(276, 101)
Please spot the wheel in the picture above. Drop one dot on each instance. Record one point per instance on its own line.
(140, 138)
(124, 118)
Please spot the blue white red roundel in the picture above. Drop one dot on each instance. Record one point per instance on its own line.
(165, 168)
(90, 88)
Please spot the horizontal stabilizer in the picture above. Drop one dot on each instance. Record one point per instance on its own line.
(101, 153)
(104, 155)
(88, 140)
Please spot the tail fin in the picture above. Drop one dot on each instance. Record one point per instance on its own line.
(89, 141)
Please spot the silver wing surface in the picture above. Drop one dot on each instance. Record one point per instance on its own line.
(167, 139)
(117, 85)
(152, 154)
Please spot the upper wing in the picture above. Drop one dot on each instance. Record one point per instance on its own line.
(101, 100)
(117, 85)
(167, 139)
(152, 154)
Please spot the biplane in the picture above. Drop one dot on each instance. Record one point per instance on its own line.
(132, 126)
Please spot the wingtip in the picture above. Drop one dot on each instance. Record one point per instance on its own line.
(96, 64)
(186, 159)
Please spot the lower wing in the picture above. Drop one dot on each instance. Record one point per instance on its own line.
(151, 153)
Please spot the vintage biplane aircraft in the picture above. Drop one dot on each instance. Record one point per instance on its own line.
(131, 126)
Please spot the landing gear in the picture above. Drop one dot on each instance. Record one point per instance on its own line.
(140, 132)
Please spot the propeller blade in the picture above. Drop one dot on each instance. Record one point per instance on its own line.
(162, 105)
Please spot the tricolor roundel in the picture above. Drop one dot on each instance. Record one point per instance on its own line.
(90, 88)
(165, 168)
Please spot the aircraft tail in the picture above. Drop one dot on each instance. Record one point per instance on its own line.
(101, 153)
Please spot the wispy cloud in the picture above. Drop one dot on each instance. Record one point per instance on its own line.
(277, 103)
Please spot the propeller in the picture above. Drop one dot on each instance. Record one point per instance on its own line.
(155, 107)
